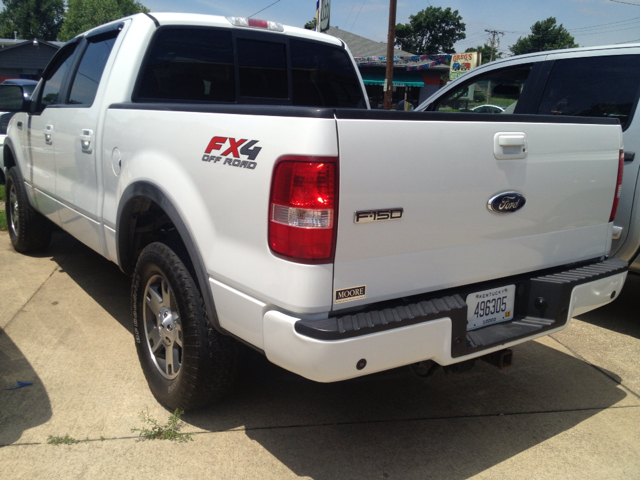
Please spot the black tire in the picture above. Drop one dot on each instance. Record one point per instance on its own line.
(204, 363)
(28, 229)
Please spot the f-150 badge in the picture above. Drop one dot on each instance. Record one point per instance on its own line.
(234, 151)
(507, 202)
(366, 216)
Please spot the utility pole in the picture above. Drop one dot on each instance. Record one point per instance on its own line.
(391, 40)
(494, 44)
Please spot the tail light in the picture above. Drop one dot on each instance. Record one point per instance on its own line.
(255, 23)
(616, 199)
(303, 208)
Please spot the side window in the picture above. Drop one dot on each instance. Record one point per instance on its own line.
(87, 78)
(193, 64)
(324, 76)
(495, 92)
(53, 81)
(263, 69)
(593, 87)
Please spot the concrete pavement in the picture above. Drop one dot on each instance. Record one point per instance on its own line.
(569, 407)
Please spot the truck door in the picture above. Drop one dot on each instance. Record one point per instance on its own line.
(76, 124)
(41, 135)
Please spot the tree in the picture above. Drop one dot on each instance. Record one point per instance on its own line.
(85, 14)
(545, 35)
(430, 31)
(31, 19)
(485, 51)
(311, 24)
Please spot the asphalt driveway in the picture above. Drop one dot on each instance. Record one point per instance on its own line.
(569, 407)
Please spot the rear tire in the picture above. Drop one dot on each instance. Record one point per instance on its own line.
(28, 229)
(187, 363)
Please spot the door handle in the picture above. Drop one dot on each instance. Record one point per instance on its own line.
(48, 134)
(86, 140)
(19, 124)
(510, 145)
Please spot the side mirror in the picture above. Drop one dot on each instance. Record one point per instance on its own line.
(12, 99)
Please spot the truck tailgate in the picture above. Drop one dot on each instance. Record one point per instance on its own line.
(442, 170)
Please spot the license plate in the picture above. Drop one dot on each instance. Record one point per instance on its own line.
(490, 306)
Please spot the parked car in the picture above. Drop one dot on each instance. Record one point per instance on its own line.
(488, 109)
(590, 82)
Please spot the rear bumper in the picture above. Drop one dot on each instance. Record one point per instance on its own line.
(434, 328)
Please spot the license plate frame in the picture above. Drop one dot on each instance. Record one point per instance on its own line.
(489, 307)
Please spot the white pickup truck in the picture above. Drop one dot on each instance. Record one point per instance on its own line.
(233, 168)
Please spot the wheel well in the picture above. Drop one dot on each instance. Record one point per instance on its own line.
(143, 223)
(9, 161)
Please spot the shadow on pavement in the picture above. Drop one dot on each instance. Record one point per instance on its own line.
(395, 424)
(100, 278)
(621, 315)
(23, 408)
(391, 423)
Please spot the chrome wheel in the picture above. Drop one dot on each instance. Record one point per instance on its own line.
(162, 327)
(14, 215)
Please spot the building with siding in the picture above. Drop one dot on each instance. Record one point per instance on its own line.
(25, 58)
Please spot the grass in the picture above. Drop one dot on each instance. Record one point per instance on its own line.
(169, 431)
(66, 440)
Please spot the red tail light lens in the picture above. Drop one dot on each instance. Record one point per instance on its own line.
(616, 199)
(302, 210)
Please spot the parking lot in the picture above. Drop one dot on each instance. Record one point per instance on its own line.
(569, 407)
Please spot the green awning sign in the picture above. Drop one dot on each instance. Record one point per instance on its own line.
(400, 79)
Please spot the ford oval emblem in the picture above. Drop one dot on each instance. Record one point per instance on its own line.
(507, 202)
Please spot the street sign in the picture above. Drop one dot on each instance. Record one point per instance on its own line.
(461, 63)
(323, 15)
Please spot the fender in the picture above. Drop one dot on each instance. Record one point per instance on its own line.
(148, 190)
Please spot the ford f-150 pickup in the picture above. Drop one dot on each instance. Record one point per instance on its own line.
(233, 168)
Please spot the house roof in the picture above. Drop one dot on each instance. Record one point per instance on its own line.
(363, 47)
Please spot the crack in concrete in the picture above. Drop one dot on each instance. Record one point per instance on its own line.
(362, 422)
(602, 371)
(56, 269)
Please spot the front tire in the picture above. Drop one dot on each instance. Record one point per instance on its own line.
(29, 231)
(187, 363)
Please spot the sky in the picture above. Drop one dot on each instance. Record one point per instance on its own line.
(591, 22)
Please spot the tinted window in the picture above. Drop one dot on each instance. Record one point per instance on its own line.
(263, 69)
(593, 87)
(494, 92)
(87, 79)
(189, 64)
(53, 82)
(323, 76)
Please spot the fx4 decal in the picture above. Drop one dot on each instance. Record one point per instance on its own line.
(234, 150)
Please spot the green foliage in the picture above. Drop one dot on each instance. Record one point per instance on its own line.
(485, 50)
(32, 19)
(85, 14)
(430, 31)
(311, 24)
(169, 431)
(545, 35)
(66, 440)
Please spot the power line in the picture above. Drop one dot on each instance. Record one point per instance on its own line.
(264, 8)
(626, 3)
(354, 22)
(493, 34)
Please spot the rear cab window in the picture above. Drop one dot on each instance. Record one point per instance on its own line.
(217, 65)
(497, 91)
(600, 86)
